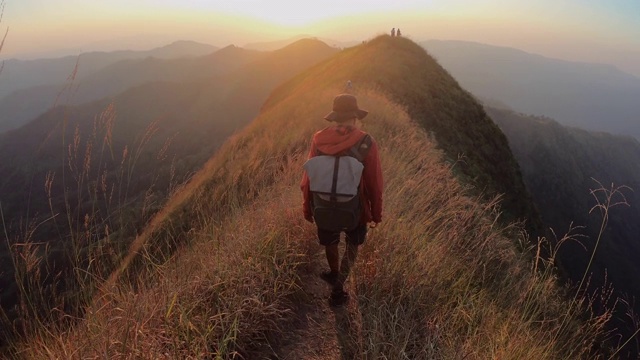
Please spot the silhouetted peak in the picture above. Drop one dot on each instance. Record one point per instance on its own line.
(306, 45)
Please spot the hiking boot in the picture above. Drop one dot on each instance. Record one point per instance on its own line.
(338, 298)
(329, 277)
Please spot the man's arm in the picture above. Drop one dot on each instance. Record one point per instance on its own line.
(306, 198)
(373, 182)
(306, 191)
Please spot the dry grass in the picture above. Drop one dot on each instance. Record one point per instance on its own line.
(219, 297)
(438, 279)
(459, 287)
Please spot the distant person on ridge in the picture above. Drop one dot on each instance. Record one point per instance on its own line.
(393, 32)
(398, 33)
(348, 87)
(342, 189)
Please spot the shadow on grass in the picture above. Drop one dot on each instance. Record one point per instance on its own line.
(347, 330)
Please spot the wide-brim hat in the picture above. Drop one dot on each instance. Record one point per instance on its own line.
(345, 107)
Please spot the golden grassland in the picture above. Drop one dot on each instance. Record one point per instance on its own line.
(437, 279)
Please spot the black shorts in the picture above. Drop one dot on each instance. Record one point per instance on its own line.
(355, 236)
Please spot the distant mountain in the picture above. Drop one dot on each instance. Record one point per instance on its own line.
(277, 44)
(183, 48)
(559, 165)
(127, 73)
(22, 74)
(23, 105)
(590, 96)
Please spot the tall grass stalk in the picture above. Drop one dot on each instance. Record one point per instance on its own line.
(606, 199)
(603, 206)
(57, 272)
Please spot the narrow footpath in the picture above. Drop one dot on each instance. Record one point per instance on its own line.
(321, 332)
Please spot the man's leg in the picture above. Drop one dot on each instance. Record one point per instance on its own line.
(330, 240)
(333, 257)
(354, 239)
(349, 257)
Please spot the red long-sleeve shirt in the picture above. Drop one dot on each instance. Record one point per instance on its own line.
(334, 140)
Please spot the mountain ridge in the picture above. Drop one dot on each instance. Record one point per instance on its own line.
(525, 54)
(30, 87)
(55, 70)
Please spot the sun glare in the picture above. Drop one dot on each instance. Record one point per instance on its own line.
(283, 13)
(289, 13)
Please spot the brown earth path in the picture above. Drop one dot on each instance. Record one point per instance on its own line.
(321, 332)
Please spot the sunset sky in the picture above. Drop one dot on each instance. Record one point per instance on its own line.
(584, 30)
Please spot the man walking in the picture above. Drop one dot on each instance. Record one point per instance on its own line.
(347, 154)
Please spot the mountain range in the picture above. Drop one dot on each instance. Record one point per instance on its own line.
(589, 96)
(22, 74)
(29, 88)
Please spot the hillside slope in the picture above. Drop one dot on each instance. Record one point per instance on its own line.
(438, 278)
(561, 167)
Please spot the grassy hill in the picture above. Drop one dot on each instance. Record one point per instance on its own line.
(439, 278)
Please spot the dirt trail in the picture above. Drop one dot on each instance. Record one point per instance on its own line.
(320, 331)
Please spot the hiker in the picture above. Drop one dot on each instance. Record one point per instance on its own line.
(393, 32)
(342, 146)
(348, 87)
(398, 33)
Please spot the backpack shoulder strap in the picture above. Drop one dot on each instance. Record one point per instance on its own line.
(361, 149)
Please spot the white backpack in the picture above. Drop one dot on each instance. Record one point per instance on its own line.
(335, 186)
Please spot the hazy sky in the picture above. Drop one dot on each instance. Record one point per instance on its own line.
(584, 30)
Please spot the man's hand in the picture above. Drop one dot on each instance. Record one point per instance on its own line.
(373, 225)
